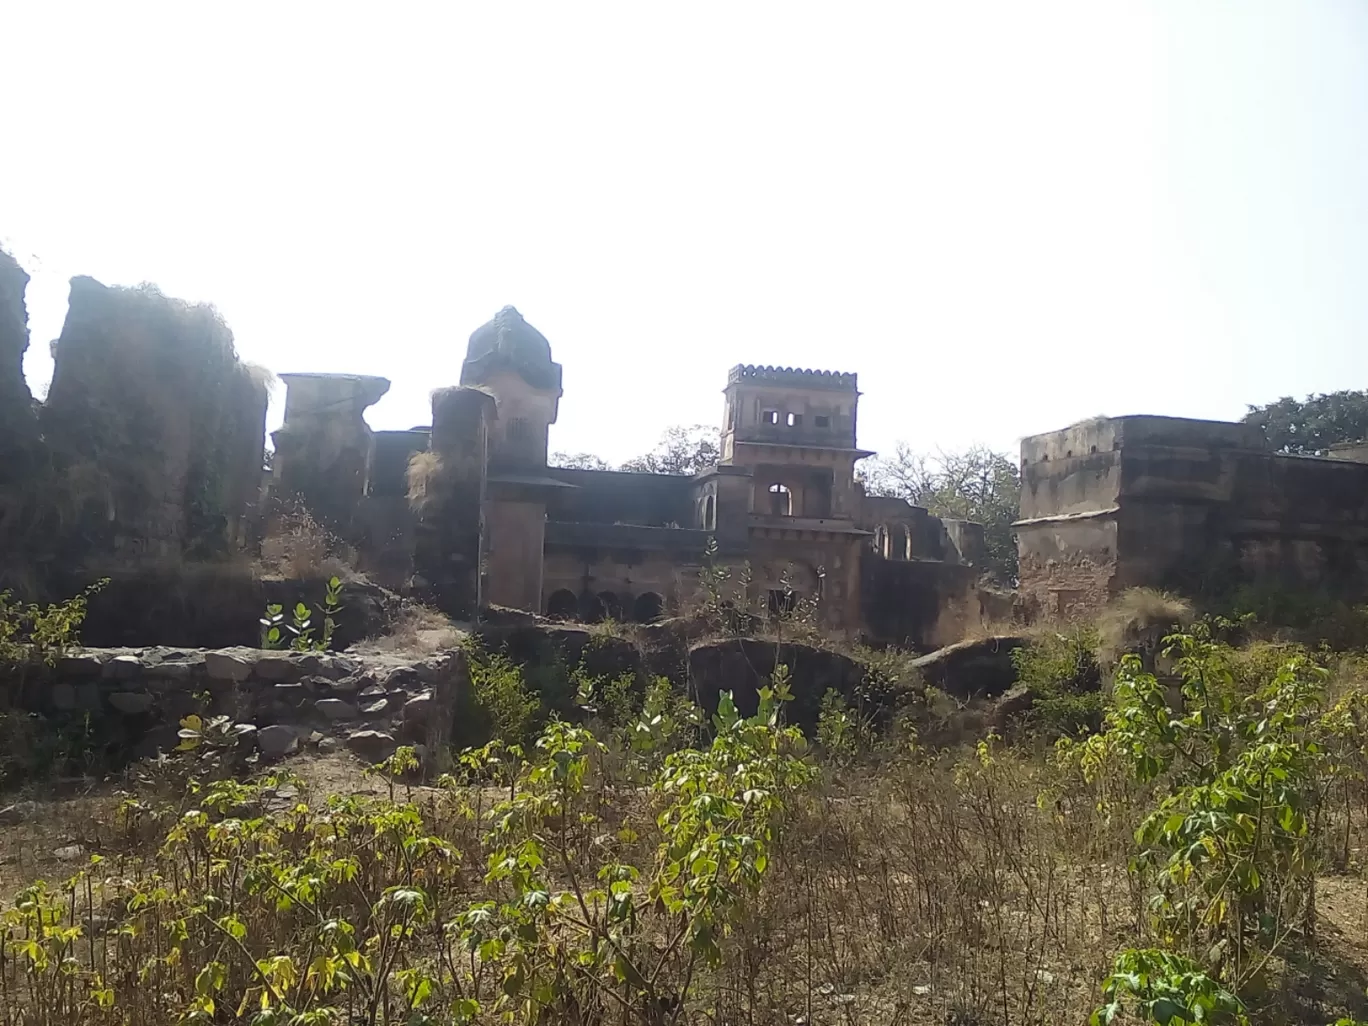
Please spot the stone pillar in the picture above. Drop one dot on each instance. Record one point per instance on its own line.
(323, 449)
(448, 538)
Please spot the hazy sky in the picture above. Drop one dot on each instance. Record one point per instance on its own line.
(1004, 216)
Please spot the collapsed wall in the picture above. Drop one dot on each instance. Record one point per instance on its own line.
(18, 422)
(147, 449)
(156, 427)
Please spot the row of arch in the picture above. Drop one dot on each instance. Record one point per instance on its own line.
(648, 607)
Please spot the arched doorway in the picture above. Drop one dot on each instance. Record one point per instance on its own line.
(591, 608)
(709, 513)
(648, 608)
(562, 604)
(781, 500)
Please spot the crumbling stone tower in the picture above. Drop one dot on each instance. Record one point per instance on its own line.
(511, 360)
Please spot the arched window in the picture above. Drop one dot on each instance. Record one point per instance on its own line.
(902, 542)
(562, 604)
(781, 500)
(709, 514)
(881, 540)
(648, 608)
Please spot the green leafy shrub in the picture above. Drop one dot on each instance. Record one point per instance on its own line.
(1227, 852)
(1167, 989)
(1060, 669)
(298, 634)
(31, 633)
(500, 705)
(560, 904)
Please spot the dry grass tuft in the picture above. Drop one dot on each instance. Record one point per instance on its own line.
(297, 547)
(424, 469)
(1135, 614)
(419, 629)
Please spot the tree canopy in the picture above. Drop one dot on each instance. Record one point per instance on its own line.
(977, 484)
(681, 450)
(1310, 426)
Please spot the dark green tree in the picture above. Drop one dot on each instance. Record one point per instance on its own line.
(681, 450)
(1309, 427)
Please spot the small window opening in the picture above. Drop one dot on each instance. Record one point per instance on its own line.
(709, 514)
(822, 422)
(518, 429)
(770, 417)
(781, 500)
(795, 419)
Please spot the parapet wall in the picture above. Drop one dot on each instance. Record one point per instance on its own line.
(792, 377)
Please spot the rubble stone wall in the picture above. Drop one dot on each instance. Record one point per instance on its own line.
(285, 701)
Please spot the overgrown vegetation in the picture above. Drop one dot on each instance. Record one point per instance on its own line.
(1060, 669)
(32, 633)
(1189, 851)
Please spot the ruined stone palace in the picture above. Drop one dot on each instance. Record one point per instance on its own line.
(1120, 502)
(469, 509)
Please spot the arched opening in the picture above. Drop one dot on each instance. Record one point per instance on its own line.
(781, 500)
(562, 604)
(648, 607)
(612, 605)
(709, 513)
(881, 540)
(902, 542)
(591, 608)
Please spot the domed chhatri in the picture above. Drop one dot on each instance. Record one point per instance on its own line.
(509, 342)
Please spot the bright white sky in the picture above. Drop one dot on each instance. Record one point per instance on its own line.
(1005, 216)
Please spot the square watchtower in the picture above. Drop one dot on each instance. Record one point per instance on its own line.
(795, 430)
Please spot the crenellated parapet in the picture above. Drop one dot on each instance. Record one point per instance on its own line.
(791, 377)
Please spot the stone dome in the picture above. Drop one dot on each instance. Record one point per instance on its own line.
(508, 341)
(508, 333)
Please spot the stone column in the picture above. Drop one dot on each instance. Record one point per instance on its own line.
(323, 449)
(449, 534)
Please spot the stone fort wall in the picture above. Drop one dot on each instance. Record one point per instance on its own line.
(1122, 502)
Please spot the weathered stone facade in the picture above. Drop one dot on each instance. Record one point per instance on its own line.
(147, 455)
(782, 501)
(1115, 503)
